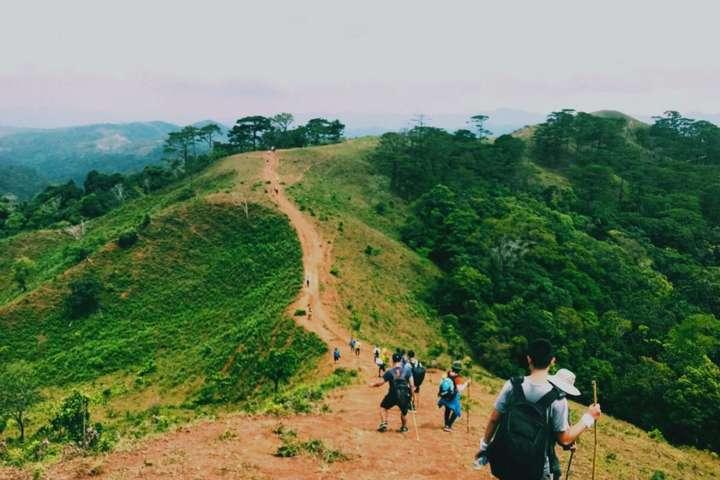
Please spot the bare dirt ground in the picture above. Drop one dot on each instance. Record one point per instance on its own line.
(243, 447)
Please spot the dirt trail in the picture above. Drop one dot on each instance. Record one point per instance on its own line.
(318, 295)
(242, 447)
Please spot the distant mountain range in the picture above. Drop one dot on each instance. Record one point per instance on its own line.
(32, 158)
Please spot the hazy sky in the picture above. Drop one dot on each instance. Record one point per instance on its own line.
(74, 61)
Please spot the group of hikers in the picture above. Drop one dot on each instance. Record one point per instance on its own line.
(530, 414)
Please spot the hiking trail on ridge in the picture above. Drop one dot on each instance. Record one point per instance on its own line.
(242, 446)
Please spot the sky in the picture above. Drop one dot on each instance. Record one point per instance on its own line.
(84, 61)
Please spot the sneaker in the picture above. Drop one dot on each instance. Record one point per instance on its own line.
(403, 429)
(447, 429)
(383, 427)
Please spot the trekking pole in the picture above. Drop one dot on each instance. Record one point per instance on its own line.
(468, 408)
(572, 454)
(595, 400)
(417, 432)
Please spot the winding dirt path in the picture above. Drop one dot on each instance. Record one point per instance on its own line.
(318, 294)
(242, 446)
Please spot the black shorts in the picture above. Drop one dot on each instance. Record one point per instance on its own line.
(391, 401)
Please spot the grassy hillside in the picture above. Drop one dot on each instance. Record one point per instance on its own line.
(188, 314)
(339, 186)
(380, 281)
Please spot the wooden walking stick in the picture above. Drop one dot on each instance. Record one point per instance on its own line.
(595, 401)
(468, 408)
(417, 432)
(572, 454)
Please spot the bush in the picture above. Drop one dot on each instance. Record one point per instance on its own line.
(371, 251)
(185, 193)
(300, 312)
(72, 423)
(84, 296)
(76, 253)
(380, 208)
(127, 239)
(658, 475)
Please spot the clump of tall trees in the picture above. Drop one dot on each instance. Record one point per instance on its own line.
(258, 133)
(600, 234)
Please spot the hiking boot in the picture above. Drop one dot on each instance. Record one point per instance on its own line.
(383, 427)
(403, 429)
(447, 429)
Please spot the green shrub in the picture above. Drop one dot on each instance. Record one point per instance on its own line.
(76, 253)
(185, 193)
(72, 422)
(300, 312)
(658, 475)
(127, 239)
(371, 251)
(656, 435)
(84, 296)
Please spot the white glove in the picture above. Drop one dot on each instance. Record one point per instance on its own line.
(588, 420)
(481, 458)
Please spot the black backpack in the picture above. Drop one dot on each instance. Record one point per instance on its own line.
(418, 373)
(401, 388)
(524, 438)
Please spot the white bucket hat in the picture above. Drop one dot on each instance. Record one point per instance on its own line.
(564, 379)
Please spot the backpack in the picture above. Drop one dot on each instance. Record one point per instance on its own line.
(401, 388)
(418, 373)
(448, 389)
(524, 438)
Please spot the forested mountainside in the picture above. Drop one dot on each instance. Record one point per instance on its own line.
(596, 231)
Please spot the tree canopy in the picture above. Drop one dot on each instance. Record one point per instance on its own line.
(599, 235)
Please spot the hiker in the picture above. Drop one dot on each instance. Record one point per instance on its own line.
(376, 352)
(336, 354)
(351, 344)
(451, 387)
(309, 312)
(418, 373)
(307, 280)
(399, 393)
(380, 364)
(357, 348)
(539, 409)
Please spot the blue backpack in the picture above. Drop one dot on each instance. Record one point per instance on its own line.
(447, 390)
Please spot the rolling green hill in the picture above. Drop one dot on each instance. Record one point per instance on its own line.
(186, 316)
(191, 316)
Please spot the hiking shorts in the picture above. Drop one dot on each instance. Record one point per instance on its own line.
(391, 401)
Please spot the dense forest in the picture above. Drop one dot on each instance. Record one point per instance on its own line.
(185, 151)
(596, 231)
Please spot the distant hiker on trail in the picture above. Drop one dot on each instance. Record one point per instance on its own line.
(336, 354)
(352, 345)
(356, 347)
(451, 387)
(399, 394)
(381, 365)
(418, 373)
(376, 352)
(309, 312)
(307, 282)
(277, 191)
(538, 407)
